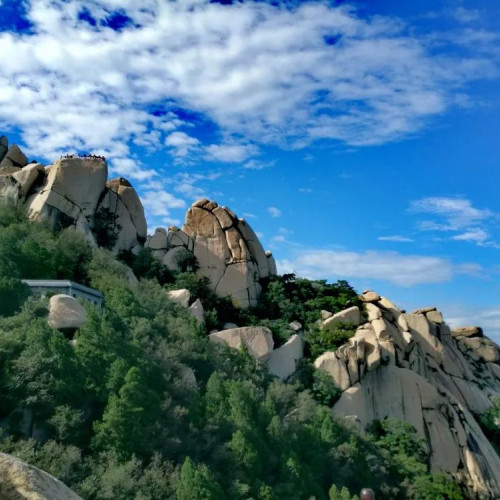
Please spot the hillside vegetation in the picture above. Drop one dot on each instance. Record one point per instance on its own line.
(143, 406)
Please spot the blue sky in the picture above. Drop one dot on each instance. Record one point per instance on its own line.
(359, 139)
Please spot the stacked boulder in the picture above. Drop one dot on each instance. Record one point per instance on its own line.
(11, 158)
(412, 367)
(173, 247)
(228, 252)
(225, 248)
(74, 192)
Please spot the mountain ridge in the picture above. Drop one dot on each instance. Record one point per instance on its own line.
(394, 365)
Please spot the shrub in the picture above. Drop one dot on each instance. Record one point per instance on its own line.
(105, 228)
(319, 340)
(324, 389)
(13, 294)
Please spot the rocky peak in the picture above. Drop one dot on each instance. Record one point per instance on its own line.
(412, 367)
(74, 191)
(228, 252)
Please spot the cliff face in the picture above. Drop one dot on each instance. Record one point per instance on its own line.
(225, 248)
(414, 368)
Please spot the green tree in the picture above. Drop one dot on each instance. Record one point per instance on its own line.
(72, 256)
(13, 294)
(490, 422)
(129, 418)
(340, 494)
(105, 228)
(197, 482)
(44, 374)
(320, 340)
(434, 487)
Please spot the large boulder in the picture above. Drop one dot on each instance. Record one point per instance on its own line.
(129, 222)
(28, 176)
(65, 312)
(197, 311)
(20, 481)
(228, 252)
(258, 340)
(467, 331)
(130, 199)
(284, 359)
(181, 297)
(336, 367)
(73, 187)
(14, 157)
(4, 147)
(74, 192)
(350, 316)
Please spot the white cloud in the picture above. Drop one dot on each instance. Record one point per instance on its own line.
(457, 212)
(477, 235)
(159, 203)
(396, 238)
(187, 184)
(254, 164)
(402, 270)
(182, 143)
(258, 72)
(279, 238)
(466, 16)
(131, 169)
(229, 153)
(456, 215)
(274, 212)
(471, 269)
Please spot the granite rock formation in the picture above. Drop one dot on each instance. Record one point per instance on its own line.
(75, 192)
(20, 481)
(65, 312)
(225, 249)
(414, 368)
(228, 252)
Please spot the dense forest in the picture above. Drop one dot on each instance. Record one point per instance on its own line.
(140, 405)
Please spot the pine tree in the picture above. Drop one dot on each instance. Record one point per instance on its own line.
(197, 483)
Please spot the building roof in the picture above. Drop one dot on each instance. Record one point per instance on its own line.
(63, 284)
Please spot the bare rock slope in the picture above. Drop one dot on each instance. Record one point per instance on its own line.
(20, 481)
(414, 368)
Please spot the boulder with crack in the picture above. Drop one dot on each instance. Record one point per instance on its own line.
(258, 340)
(228, 252)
